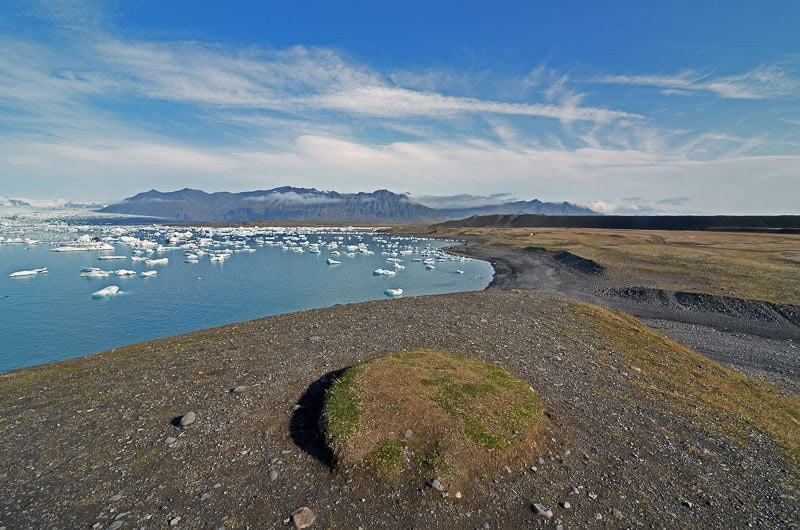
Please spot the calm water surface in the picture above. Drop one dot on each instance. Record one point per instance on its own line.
(53, 316)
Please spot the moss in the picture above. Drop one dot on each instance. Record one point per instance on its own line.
(387, 458)
(342, 411)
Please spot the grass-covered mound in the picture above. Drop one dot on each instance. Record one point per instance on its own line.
(425, 413)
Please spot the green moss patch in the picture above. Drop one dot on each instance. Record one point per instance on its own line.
(430, 412)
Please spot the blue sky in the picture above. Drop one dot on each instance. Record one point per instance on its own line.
(683, 107)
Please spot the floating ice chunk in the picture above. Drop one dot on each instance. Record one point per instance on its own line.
(383, 272)
(429, 266)
(393, 292)
(31, 272)
(125, 272)
(333, 262)
(158, 261)
(94, 272)
(105, 258)
(111, 290)
(459, 271)
(84, 243)
(148, 274)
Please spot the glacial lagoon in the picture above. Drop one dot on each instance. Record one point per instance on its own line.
(174, 280)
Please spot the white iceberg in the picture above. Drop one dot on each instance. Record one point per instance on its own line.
(125, 272)
(157, 261)
(111, 290)
(383, 272)
(333, 262)
(94, 272)
(84, 243)
(393, 292)
(31, 272)
(105, 258)
(148, 274)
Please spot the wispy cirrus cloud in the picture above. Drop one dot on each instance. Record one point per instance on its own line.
(764, 82)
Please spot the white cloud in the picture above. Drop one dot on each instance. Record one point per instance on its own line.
(764, 82)
(463, 200)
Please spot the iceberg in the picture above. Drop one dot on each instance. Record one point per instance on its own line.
(84, 243)
(148, 274)
(157, 261)
(125, 272)
(383, 272)
(333, 262)
(112, 257)
(31, 272)
(94, 272)
(393, 292)
(111, 290)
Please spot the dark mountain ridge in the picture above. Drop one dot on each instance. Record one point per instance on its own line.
(308, 204)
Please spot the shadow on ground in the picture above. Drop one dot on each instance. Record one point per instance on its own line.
(305, 424)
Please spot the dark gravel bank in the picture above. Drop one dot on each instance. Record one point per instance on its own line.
(756, 336)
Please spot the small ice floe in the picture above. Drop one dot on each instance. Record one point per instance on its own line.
(94, 272)
(148, 274)
(429, 266)
(108, 258)
(125, 272)
(31, 272)
(383, 272)
(393, 292)
(459, 271)
(111, 290)
(157, 261)
(333, 262)
(192, 260)
(399, 267)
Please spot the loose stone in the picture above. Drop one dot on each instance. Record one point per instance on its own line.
(187, 419)
(435, 484)
(458, 495)
(598, 516)
(238, 389)
(114, 498)
(566, 505)
(170, 440)
(540, 509)
(175, 520)
(272, 475)
(409, 434)
(303, 517)
(574, 490)
(205, 496)
(592, 495)
(115, 525)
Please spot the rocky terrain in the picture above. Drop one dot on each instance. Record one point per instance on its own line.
(108, 441)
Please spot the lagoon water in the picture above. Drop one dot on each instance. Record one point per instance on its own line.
(53, 316)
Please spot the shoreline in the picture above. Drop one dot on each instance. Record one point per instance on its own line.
(760, 338)
(95, 440)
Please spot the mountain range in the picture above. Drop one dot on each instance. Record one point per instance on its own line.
(304, 204)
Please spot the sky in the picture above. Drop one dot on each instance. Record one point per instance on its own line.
(624, 106)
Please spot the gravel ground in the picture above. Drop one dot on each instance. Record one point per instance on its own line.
(96, 442)
(759, 338)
